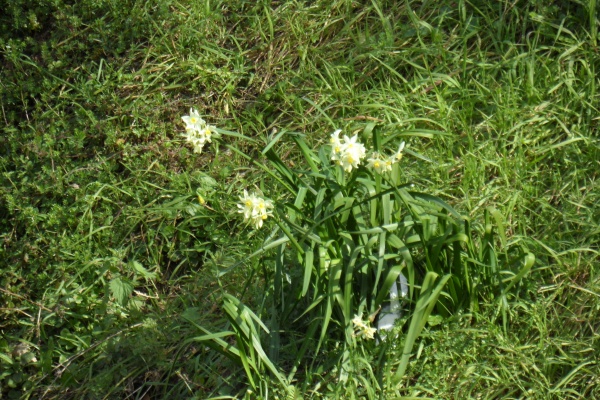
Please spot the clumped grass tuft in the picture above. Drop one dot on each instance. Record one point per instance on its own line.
(111, 284)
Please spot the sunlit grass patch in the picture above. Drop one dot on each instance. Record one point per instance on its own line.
(114, 233)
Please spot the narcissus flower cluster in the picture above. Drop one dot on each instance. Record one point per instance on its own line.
(197, 131)
(255, 209)
(361, 329)
(349, 153)
(346, 152)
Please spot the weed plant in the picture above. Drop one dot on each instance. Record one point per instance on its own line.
(115, 237)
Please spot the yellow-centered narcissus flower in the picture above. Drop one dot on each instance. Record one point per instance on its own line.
(247, 205)
(197, 131)
(361, 329)
(255, 209)
(347, 152)
(352, 153)
(193, 121)
(379, 165)
(398, 156)
(336, 145)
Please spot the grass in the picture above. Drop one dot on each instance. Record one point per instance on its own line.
(110, 264)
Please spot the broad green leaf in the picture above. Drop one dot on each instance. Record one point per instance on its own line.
(121, 289)
(6, 359)
(309, 258)
(425, 303)
(139, 268)
(389, 280)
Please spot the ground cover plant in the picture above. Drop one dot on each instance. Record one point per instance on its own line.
(128, 272)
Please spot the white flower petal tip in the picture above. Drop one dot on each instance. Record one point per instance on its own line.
(398, 156)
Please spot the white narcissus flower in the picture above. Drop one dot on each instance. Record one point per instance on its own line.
(196, 141)
(247, 205)
(207, 132)
(347, 152)
(352, 153)
(379, 165)
(263, 211)
(361, 329)
(388, 163)
(369, 333)
(357, 321)
(336, 145)
(197, 131)
(398, 156)
(255, 209)
(334, 139)
(193, 121)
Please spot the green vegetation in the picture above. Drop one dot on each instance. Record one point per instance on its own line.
(126, 270)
